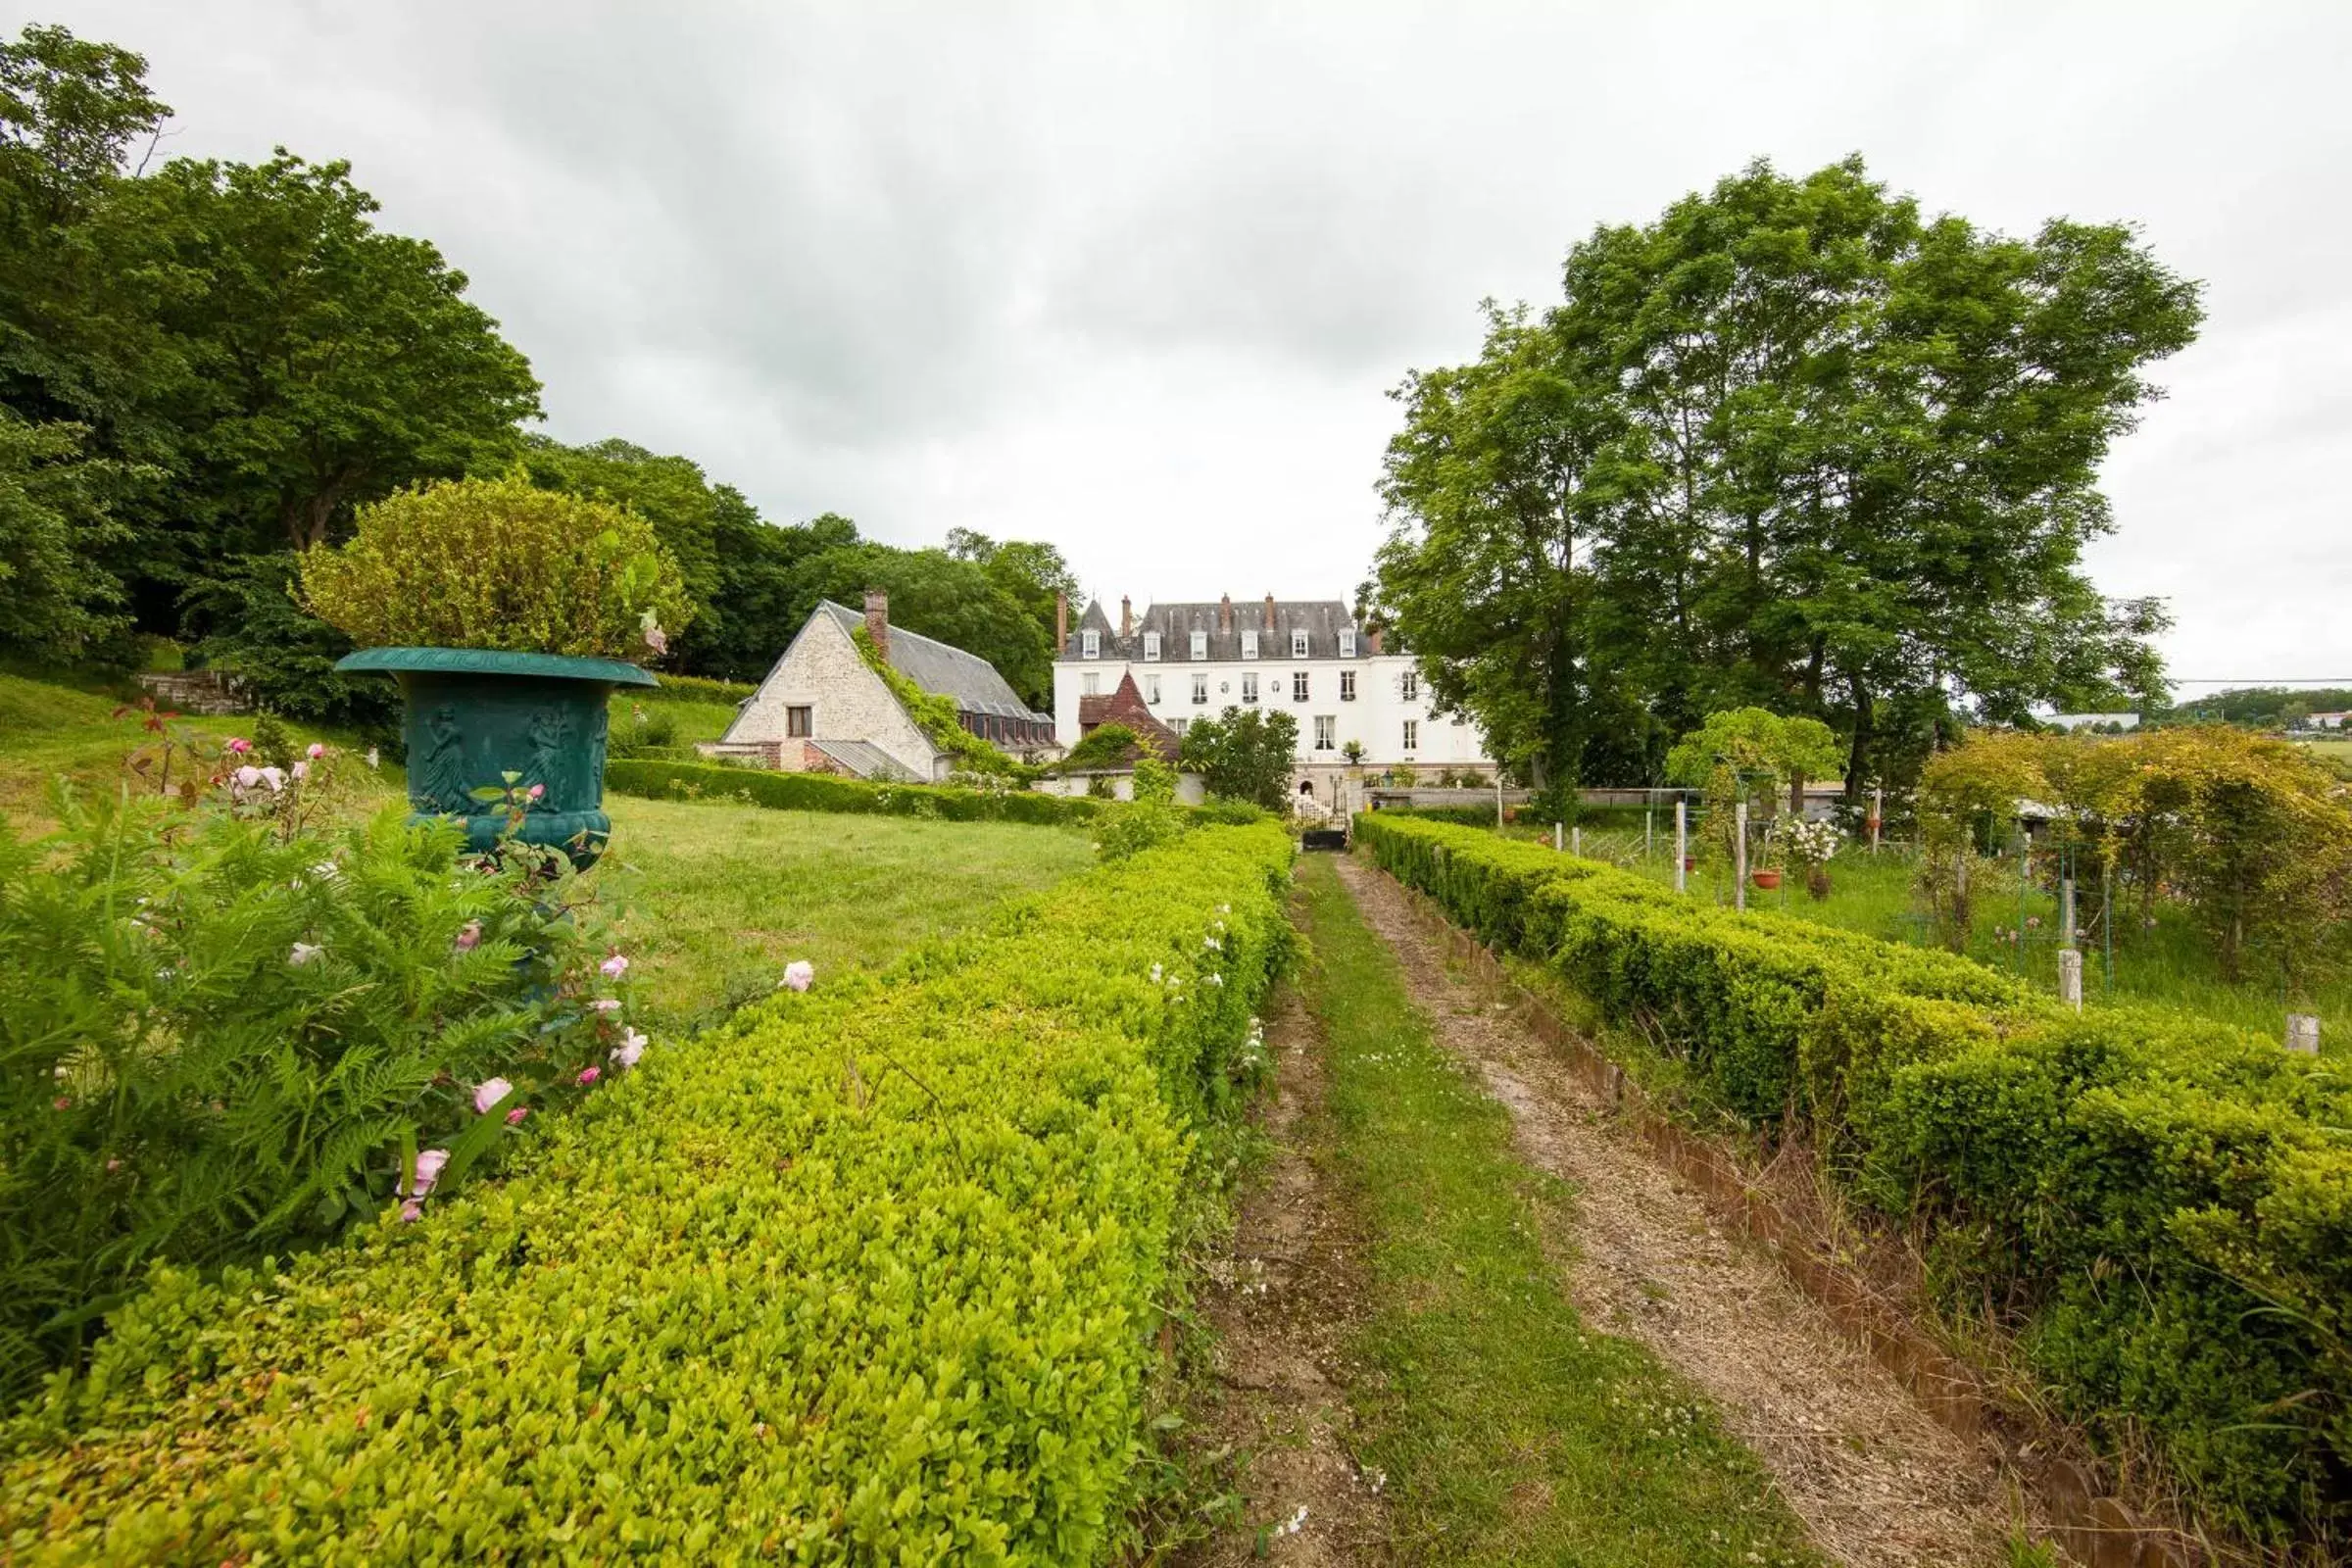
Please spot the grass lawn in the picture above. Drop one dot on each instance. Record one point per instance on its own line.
(1510, 1432)
(716, 898)
(2171, 964)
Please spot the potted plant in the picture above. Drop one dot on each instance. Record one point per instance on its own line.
(507, 614)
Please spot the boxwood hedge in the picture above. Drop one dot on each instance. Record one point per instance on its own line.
(870, 1275)
(826, 792)
(2161, 1207)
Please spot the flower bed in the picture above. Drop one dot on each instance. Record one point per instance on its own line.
(869, 1275)
(2159, 1208)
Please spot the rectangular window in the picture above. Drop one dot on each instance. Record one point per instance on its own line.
(1150, 688)
(1411, 688)
(1347, 643)
(1297, 645)
(1200, 688)
(1151, 646)
(1249, 645)
(1090, 644)
(1177, 726)
(1091, 685)
(797, 723)
(1200, 645)
(1347, 685)
(1412, 734)
(1298, 685)
(1249, 687)
(1327, 731)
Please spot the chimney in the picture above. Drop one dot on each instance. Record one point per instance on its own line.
(1061, 623)
(1225, 615)
(1372, 639)
(877, 620)
(1126, 616)
(1269, 612)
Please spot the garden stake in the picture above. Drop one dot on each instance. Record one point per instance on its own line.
(1682, 841)
(1740, 856)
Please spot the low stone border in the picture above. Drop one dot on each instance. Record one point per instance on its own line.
(2096, 1527)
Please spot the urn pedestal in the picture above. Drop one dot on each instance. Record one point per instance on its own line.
(475, 716)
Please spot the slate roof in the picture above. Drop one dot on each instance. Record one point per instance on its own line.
(863, 759)
(1322, 619)
(1126, 705)
(967, 681)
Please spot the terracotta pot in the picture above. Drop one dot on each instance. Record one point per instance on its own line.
(1768, 880)
(1689, 862)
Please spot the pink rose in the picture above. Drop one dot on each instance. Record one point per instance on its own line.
(632, 1046)
(469, 938)
(537, 791)
(490, 1093)
(589, 1075)
(317, 751)
(428, 1170)
(410, 1212)
(616, 966)
(302, 770)
(514, 1116)
(238, 746)
(275, 777)
(606, 1005)
(799, 975)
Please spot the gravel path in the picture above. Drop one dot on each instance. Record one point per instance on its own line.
(1874, 1479)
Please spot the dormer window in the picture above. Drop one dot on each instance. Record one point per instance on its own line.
(1347, 643)
(1249, 645)
(1297, 645)
(1200, 645)
(1151, 646)
(1090, 644)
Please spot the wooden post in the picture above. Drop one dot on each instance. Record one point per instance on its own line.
(1498, 798)
(1878, 815)
(2070, 977)
(1649, 832)
(2066, 913)
(1576, 842)
(1556, 838)
(1682, 840)
(1740, 856)
(2303, 1033)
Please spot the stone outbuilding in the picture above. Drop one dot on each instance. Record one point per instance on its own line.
(824, 710)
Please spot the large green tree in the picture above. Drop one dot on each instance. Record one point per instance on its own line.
(1823, 456)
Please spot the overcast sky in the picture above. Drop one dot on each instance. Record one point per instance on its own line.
(1137, 279)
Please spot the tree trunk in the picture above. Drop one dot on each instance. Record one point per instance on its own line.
(1857, 759)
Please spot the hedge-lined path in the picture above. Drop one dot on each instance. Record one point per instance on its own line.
(1876, 1481)
(1280, 1303)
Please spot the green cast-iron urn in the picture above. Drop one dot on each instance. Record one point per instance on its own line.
(480, 723)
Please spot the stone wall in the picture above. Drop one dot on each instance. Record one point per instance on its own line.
(824, 671)
(195, 691)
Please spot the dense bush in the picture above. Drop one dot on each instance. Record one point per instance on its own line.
(871, 1275)
(499, 563)
(224, 1033)
(2160, 1206)
(828, 792)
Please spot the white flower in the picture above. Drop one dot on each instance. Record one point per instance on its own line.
(632, 1046)
(326, 870)
(1156, 973)
(373, 758)
(304, 952)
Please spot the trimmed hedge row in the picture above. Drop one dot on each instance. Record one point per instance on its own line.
(2160, 1206)
(827, 792)
(870, 1275)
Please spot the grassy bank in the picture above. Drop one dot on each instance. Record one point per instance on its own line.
(1509, 1432)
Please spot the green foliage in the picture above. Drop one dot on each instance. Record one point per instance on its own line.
(825, 792)
(1244, 754)
(1762, 750)
(1104, 746)
(1127, 828)
(941, 596)
(57, 598)
(1155, 780)
(2158, 1203)
(1797, 445)
(220, 1028)
(875, 1272)
(284, 658)
(499, 563)
(936, 716)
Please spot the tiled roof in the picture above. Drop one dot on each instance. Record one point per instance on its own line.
(967, 681)
(1223, 622)
(1126, 705)
(863, 759)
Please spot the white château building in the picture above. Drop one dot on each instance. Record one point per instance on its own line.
(1305, 657)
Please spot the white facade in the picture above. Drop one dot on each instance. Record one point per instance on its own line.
(1304, 657)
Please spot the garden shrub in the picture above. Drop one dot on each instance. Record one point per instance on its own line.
(2160, 1204)
(226, 1033)
(871, 1274)
(829, 792)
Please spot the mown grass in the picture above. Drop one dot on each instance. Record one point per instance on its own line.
(2171, 964)
(715, 898)
(1507, 1431)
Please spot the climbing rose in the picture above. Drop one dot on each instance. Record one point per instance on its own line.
(616, 966)
(490, 1093)
(589, 1075)
(304, 952)
(799, 975)
(317, 751)
(469, 938)
(514, 1116)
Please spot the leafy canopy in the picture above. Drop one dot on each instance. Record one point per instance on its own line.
(1244, 754)
(499, 563)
